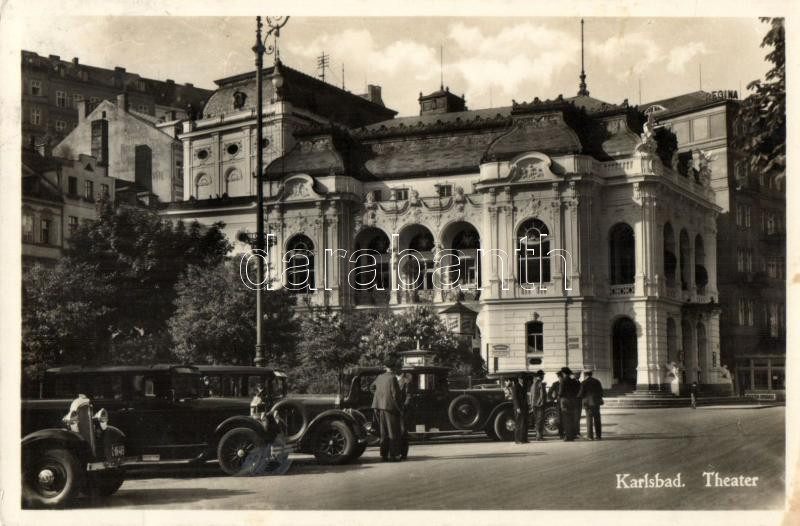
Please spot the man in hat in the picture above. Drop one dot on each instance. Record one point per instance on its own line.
(538, 397)
(404, 401)
(520, 390)
(386, 405)
(568, 398)
(552, 394)
(591, 393)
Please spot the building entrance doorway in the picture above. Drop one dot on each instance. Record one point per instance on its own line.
(624, 352)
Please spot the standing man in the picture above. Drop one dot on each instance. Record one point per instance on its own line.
(591, 393)
(520, 411)
(385, 403)
(404, 400)
(568, 397)
(538, 398)
(552, 393)
(693, 389)
(578, 411)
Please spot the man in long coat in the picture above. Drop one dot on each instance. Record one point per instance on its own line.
(568, 398)
(591, 394)
(520, 388)
(386, 404)
(538, 398)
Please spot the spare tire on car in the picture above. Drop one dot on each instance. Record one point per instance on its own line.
(295, 415)
(465, 412)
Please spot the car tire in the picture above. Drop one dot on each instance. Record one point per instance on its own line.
(551, 417)
(334, 443)
(241, 451)
(51, 478)
(294, 413)
(504, 425)
(104, 484)
(465, 412)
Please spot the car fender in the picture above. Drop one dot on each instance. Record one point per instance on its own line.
(58, 438)
(495, 410)
(332, 414)
(234, 422)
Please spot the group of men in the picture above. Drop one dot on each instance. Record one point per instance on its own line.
(569, 394)
(390, 402)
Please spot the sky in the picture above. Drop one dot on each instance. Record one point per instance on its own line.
(489, 60)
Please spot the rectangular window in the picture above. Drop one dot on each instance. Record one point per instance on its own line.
(700, 129)
(27, 228)
(73, 224)
(739, 214)
(60, 126)
(140, 85)
(104, 190)
(72, 185)
(401, 194)
(77, 98)
(681, 131)
(445, 190)
(747, 214)
(61, 99)
(716, 124)
(36, 87)
(535, 336)
(141, 108)
(88, 190)
(36, 116)
(45, 231)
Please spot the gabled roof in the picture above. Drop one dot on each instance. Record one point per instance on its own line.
(684, 103)
(304, 91)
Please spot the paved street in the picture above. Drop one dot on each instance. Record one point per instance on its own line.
(476, 473)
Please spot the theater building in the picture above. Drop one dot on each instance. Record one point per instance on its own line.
(580, 243)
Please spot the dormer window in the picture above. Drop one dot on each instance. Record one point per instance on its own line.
(444, 190)
(401, 194)
(655, 108)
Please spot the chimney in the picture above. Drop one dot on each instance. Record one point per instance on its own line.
(189, 85)
(55, 58)
(75, 61)
(122, 101)
(374, 94)
(82, 107)
(119, 69)
(100, 141)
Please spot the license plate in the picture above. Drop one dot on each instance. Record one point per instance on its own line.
(118, 451)
(151, 458)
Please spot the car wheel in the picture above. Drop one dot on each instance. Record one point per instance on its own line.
(464, 412)
(104, 484)
(551, 419)
(294, 413)
(505, 425)
(241, 451)
(334, 443)
(51, 478)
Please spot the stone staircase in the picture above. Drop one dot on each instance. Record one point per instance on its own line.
(652, 399)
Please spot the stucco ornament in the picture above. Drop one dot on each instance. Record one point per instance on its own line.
(704, 161)
(648, 143)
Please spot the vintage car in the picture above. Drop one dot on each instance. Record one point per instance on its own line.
(505, 424)
(433, 409)
(161, 412)
(83, 455)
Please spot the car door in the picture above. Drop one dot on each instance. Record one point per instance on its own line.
(428, 403)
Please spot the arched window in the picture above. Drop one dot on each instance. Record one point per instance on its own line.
(622, 252)
(685, 259)
(467, 242)
(232, 175)
(700, 272)
(423, 243)
(533, 258)
(300, 265)
(372, 283)
(670, 261)
(202, 186)
(534, 331)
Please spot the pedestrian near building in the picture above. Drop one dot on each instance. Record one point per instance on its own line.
(693, 390)
(568, 398)
(538, 397)
(385, 403)
(591, 395)
(577, 413)
(521, 410)
(552, 394)
(404, 399)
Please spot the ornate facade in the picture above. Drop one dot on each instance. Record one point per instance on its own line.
(580, 245)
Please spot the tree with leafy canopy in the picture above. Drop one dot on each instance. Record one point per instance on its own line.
(329, 344)
(761, 121)
(214, 320)
(392, 333)
(113, 290)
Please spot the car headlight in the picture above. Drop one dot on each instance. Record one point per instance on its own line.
(102, 418)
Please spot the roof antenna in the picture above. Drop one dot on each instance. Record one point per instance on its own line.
(343, 76)
(700, 75)
(441, 67)
(582, 91)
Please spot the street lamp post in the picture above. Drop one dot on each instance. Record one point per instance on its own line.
(274, 25)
